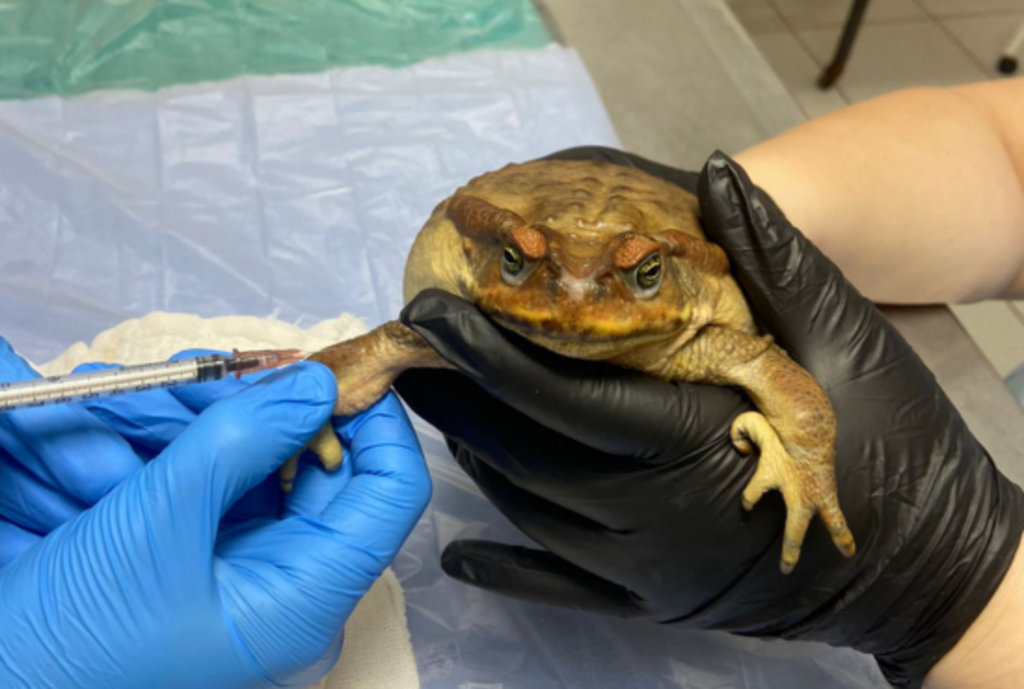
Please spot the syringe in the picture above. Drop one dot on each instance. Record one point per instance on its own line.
(76, 387)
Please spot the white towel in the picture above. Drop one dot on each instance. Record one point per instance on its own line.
(377, 652)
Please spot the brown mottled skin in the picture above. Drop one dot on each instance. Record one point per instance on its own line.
(601, 262)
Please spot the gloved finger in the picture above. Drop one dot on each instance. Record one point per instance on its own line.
(536, 576)
(149, 421)
(607, 507)
(265, 501)
(237, 443)
(684, 178)
(618, 411)
(69, 449)
(12, 366)
(529, 454)
(63, 446)
(312, 491)
(199, 396)
(14, 540)
(358, 534)
(390, 486)
(566, 524)
(799, 294)
(537, 463)
(315, 488)
(30, 502)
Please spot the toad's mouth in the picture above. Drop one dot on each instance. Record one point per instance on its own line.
(589, 331)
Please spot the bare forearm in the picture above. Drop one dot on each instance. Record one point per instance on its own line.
(989, 655)
(918, 196)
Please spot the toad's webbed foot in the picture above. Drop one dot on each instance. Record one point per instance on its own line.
(365, 368)
(807, 484)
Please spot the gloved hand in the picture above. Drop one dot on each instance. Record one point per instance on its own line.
(54, 463)
(58, 461)
(150, 587)
(633, 489)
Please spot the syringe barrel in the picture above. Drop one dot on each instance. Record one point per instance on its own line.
(40, 392)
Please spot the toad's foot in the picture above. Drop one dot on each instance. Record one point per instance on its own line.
(807, 484)
(795, 429)
(365, 368)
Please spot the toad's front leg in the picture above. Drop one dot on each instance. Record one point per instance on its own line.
(365, 368)
(367, 365)
(795, 430)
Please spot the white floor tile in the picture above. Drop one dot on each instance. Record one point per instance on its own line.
(985, 36)
(799, 72)
(807, 14)
(757, 16)
(970, 6)
(999, 331)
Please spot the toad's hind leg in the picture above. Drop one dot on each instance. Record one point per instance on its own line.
(365, 367)
(805, 492)
(795, 430)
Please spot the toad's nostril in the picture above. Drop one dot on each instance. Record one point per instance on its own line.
(607, 279)
(576, 289)
(549, 270)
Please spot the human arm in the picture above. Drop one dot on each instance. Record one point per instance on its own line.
(157, 586)
(988, 656)
(917, 196)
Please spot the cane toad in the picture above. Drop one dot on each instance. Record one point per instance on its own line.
(603, 262)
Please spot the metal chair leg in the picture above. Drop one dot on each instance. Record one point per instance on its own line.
(853, 21)
(1008, 61)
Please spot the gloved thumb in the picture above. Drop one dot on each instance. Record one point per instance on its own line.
(795, 291)
(237, 442)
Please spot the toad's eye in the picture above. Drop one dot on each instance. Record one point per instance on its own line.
(647, 275)
(513, 264)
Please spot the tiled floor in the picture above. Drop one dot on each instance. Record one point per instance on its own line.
(902, 43)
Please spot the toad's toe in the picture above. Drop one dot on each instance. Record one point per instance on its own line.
(287, 473)
(326, 446)
(837, 527)
(798, 518)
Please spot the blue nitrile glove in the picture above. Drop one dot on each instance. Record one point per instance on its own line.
(58, 461)
(150, 421)
(149, 588)
(54, 463)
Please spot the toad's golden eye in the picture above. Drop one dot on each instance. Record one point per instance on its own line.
(648, 273)
(512, 262)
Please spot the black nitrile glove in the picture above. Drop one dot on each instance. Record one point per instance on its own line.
(633, 488)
